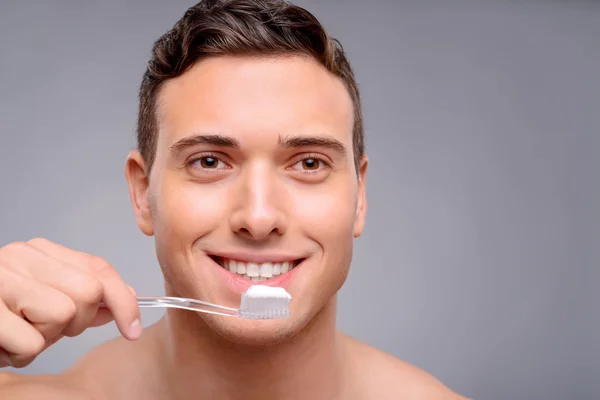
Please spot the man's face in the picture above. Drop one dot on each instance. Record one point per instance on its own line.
(254, 175)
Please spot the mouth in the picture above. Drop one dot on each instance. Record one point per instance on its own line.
(255, 271)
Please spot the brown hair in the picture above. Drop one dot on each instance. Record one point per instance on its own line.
(239, 28)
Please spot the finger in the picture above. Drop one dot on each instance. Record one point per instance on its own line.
(84, 290)
(44, 308)
(132, 290)
(121, 302)
(116, 295)
(4, 359)
(19, 361)
(103, 317)
(17, 336)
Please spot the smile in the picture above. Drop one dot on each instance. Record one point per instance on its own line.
(256, 272)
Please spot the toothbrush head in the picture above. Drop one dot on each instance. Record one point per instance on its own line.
(265, 302)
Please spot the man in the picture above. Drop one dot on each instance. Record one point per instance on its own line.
(250, 161)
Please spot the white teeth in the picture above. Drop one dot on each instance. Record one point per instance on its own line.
(241, 269)
(257, 272)
(252, 270)
(266, 270)
(233, 267)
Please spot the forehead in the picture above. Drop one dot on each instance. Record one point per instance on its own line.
(255, 98)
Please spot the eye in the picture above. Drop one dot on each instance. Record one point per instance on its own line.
(209, 162)
(310, 164)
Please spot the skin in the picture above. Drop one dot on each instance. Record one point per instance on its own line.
(256, 197)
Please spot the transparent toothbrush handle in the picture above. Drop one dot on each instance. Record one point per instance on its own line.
(186, 304)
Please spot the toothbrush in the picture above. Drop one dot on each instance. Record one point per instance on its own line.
(258, 302)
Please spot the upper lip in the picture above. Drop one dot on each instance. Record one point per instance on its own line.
(256, 257)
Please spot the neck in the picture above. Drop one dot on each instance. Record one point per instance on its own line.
(197, 360)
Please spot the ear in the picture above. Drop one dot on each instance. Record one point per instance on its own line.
(361, 203)
(138, 182)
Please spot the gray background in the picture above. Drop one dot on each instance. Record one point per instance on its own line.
(480, 255)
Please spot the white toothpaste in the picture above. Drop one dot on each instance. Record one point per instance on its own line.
(268, 291)
(265, 302)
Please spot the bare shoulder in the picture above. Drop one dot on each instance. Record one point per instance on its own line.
(95, 373)
(116, 369)
(86, 380)
(383, 376)
(16, 386)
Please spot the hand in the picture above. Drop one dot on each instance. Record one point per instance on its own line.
(48, 291)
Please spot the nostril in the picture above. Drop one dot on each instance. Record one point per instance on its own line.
(259, 233)
(245, 233)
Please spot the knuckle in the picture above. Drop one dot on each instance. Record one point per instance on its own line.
(100, 266)
(17, 245)
(37, 345)
(64, 312)
(34, 346)
(14, 247)
(87, 289)
(12, 254)
(38, 241)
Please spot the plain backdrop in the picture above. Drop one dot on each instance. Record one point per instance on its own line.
(480, 256)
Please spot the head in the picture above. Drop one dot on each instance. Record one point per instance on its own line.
(250, 158)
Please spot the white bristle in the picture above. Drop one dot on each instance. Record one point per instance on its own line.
(265, 302)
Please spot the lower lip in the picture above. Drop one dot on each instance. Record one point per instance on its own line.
(240, 285)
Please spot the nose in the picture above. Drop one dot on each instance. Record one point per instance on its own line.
(260, 206)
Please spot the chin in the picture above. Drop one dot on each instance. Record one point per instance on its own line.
(248, 332)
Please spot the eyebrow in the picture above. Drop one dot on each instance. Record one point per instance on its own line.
(214, 140)
(285, 141)
(294, 141)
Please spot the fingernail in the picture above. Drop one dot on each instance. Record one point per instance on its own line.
(132, 290)
(135, 330)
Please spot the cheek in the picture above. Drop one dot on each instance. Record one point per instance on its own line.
(326, 216)
(327, 213)
(187, 210)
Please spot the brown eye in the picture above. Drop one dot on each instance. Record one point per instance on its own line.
(310, 164)
(209, 162)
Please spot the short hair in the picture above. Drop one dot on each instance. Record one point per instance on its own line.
(239, 28)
